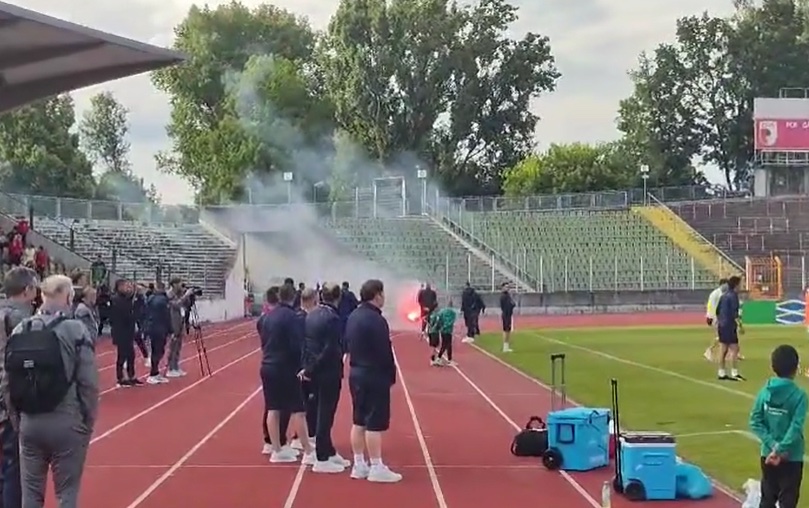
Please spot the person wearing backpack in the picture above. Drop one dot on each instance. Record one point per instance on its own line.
(20, 285)
(50, 385)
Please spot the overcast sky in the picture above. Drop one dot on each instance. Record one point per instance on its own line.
(595, 42)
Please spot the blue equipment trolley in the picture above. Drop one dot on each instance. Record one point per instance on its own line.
(645, 462)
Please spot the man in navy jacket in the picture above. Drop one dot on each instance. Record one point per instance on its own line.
(281, 348)
(348, 302)
(157, 325)
(372, 374)
(323, 366)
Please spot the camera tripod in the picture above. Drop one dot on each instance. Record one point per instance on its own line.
(199, 341)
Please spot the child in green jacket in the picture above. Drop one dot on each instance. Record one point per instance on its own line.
(777, 418)
(442, 324)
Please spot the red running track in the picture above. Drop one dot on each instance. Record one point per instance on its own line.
(197, 441)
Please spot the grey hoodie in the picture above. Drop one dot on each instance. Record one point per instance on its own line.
(88, 317)
(16, 312)
(79, 408)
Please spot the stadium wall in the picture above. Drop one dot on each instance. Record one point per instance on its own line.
(232, 305)
(597, 302)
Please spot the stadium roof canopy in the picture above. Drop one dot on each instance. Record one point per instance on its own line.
(41, 56)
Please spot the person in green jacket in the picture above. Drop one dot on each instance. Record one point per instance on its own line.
(442, 324)
(777, 419)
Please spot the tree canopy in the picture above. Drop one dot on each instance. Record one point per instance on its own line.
(388, 85)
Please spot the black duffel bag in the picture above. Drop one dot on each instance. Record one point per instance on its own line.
(532, 441)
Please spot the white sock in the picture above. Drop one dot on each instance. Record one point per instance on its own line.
(376, 462)
(722, 373)
(359, 459)
(734, 372)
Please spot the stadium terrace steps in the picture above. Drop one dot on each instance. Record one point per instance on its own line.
(689, 240)
(188, 251)
(416, 247)
(756, 227)
(589, 250)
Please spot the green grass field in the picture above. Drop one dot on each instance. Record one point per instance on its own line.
(665, 384)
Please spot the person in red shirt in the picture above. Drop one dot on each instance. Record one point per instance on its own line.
(23, 228)
(15, 250)
(41, 261)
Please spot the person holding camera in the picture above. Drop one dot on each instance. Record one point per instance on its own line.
(179, 299)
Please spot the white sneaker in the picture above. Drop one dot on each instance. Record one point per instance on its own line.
(339, 460)
(182, 372)
(283, 456)
(173, 373)
(296, 443)
(266, 449)
(154, 380)
(289, 449)
(360, 471)
(507, 348)
(468, 340)
(435, 363)
(382, 474)
(327, 466)
(451, 363)
(309, 459)
(147, 362)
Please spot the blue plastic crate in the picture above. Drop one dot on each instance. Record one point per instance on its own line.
(580, 436)
(649, 460)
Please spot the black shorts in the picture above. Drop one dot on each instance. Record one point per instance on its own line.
(282, 390)
(434, 339)
(728, 336)
(370, 401)
(507, 322)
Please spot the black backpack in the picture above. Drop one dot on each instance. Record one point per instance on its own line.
(532, 441)
(37, 380)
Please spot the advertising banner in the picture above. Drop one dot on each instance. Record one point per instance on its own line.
(780, 135)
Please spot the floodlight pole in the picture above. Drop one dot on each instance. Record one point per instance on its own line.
(644, 174)
(421, 174)
(288, 179)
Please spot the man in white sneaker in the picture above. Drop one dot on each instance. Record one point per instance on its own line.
(507, 314)
(371, 377)
(178, 300)
(323, 368)
(281, 332)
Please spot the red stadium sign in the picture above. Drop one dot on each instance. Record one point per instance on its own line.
(782, 135)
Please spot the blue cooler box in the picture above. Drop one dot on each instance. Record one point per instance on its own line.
(649, 460)
(581, 437)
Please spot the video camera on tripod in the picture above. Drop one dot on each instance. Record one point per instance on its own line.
(192, 322)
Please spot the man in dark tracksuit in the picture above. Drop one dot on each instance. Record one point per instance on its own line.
(471, 307)
(371, 377)
(428, 301)
(139, 309)
(323, 367)
(122, 329)
(19, 285)
(281, 347)
(348, 302)
(507, 314)
(157, 326)
(727, 328)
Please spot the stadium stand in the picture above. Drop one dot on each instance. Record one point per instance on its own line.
(416, 247)
(188, 251)
(755, 227)
(583, 250)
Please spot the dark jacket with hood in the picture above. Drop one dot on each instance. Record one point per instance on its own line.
(12, 313)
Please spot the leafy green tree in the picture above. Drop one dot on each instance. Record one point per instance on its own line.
(693, 99)
(576, 167)
(442, 82)
(103, 132)
(41, 151)
(211, 148)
